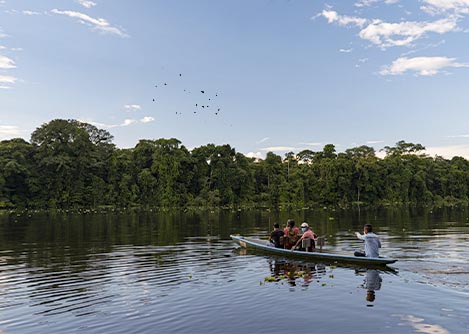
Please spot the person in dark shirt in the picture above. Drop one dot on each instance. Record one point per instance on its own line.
(276, 236)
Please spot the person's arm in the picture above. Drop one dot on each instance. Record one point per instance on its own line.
(297, 243)
(359, 236)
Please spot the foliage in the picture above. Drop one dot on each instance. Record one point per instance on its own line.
(71, 164)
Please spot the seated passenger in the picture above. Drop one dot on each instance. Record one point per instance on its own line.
(291, 234)
(276, 236)
(307, 239)
(372, 242)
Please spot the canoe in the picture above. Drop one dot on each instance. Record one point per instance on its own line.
(317, 256)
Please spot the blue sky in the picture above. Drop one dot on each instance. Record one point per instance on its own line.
(277, 75)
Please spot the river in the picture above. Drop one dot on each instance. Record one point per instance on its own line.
(179, 272)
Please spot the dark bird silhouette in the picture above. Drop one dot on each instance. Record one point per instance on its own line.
(180, 74)
(153, 100)
(202, 91)
(165, 84)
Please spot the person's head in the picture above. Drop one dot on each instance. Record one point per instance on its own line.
(290, 223)
(304, 226)
(367, 228)
(370, 296)
(276, 225)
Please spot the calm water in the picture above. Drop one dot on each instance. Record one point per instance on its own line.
(180, 273)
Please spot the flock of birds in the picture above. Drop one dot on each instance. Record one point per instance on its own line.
(203, 103)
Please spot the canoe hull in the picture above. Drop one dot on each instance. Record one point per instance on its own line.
(262, 246)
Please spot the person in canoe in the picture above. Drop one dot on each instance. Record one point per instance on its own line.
(372, 242)
(276, 236)
(291, 234)
(306, 239)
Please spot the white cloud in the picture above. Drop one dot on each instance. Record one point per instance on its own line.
(343, 20)
(263, 140)
(6, 63)
(459, 136)
(147, 119)
(278, 149)
(311, 144)
(128, 122)
(443, 6)
(425, 66)
(365, 3)
(255, 155)
(449, 151)
(99, 24)
(345, 50)
(30, 12)
(86, 3)
(5, 87)
(386, 34)
(372, 142)
(368, 3)
(132, 107)
(7, 79)
(9, 131)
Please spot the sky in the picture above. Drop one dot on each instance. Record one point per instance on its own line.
(259, 75)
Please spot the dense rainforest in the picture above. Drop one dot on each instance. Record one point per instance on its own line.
(69, 164)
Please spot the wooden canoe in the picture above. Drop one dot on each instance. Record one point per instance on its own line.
(318, 256)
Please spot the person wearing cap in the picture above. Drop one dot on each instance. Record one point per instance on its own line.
(307, 238)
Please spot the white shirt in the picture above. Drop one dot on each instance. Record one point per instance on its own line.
(372, 244)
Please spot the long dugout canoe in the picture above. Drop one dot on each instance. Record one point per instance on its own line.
(318, 256)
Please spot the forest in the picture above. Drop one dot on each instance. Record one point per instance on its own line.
(69, 164)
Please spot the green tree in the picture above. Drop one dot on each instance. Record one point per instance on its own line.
(70, 155)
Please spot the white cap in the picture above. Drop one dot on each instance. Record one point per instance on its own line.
(304, 225)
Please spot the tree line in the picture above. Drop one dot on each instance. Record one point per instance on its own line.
(70, 164)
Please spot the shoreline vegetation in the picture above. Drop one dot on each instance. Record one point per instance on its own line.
(71, 165)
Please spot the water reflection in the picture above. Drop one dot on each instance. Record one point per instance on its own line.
(372, 283)
(295, 273)
(115, 272)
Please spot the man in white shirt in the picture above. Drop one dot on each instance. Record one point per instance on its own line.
(372, 243)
